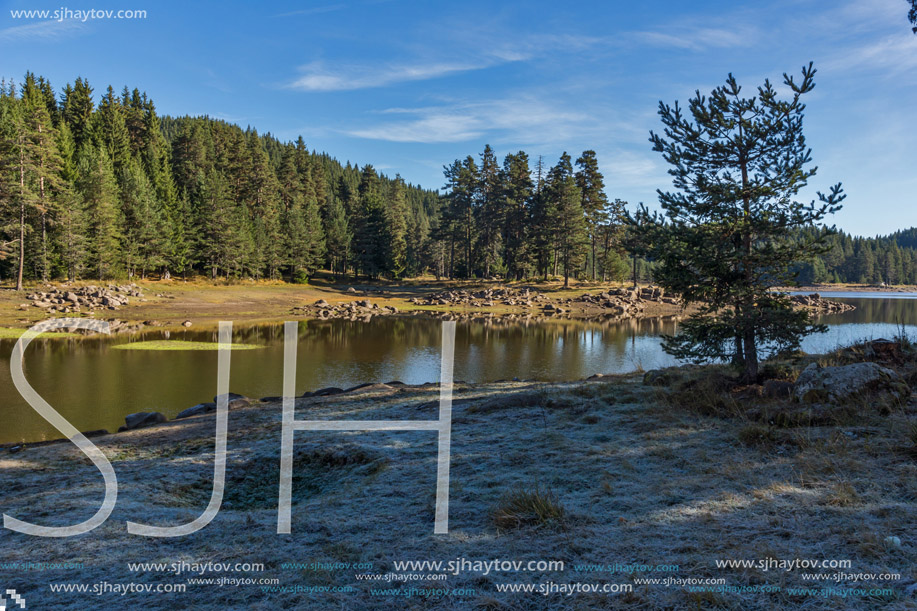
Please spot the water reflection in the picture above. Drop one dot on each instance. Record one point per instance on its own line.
(95, 386)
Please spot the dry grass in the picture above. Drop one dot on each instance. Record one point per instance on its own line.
(537, 506)
(584, 472)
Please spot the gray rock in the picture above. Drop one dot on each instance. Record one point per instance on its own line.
(832, 384)
(324, 392)
(141, 420)
(200, 408)
(368, 387)
(235, 400)
(657, 377)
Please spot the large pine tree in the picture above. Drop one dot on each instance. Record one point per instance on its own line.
(726, 238)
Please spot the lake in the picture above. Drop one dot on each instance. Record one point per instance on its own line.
(95, 386)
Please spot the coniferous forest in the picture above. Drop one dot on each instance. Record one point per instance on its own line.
(100, 187)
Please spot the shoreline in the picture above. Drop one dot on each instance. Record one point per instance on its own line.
(173, 304)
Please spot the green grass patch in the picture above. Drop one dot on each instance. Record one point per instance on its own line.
(174, 344)
(8, 333)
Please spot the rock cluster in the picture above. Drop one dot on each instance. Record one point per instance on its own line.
(72, 300)
(622, 302)
(362, 309)
(816, 304)
(483, 298)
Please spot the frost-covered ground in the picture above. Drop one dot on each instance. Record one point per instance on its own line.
(589, 473)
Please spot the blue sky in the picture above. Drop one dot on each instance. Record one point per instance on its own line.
(410, 85)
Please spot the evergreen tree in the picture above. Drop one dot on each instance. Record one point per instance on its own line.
(99, 190)
(491, 215)
(370, 232)
(77, 107)
(45, 162)
(517, 194)
(396, 230)
(726, 239)
(570, 224)
(72, 222)
(337, 236)
(544, 219)
(594, 203)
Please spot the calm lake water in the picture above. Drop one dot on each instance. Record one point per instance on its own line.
(94, 386)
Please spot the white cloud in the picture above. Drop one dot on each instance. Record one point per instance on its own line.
(317, 77)
(42, 30)
(893, 54)
(697, 38)
(507, 119)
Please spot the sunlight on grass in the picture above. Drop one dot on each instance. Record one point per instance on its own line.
(7, 333)
(165, 344)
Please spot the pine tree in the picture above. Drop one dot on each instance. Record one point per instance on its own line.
(45, 162)
(99, 190)
(370, 232)
(396, 230)
(338, 236)
(737, 163)
(72, 222)
(261, 196)
(77, 107)
(571, 236)
(144, 230)
(462, 200)
(544, 219)
(491, 216)
(517, 195)
(223, 226)
(109, 130)
(594, 203)
(9, 162)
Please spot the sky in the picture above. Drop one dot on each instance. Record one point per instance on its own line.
(411, 85)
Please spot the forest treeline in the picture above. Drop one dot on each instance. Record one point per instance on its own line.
(108, 189)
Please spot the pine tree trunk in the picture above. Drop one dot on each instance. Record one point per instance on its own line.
(751, 357)
(21, 216)
(41, 188)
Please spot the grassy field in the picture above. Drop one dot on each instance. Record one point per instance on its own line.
(591, 473)
(165, 344)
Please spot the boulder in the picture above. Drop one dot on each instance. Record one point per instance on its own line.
(658, 377)
(235, 400)
(832, 384)
(200, 408)
(324, 392)
(141, 420)
(368, 388)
